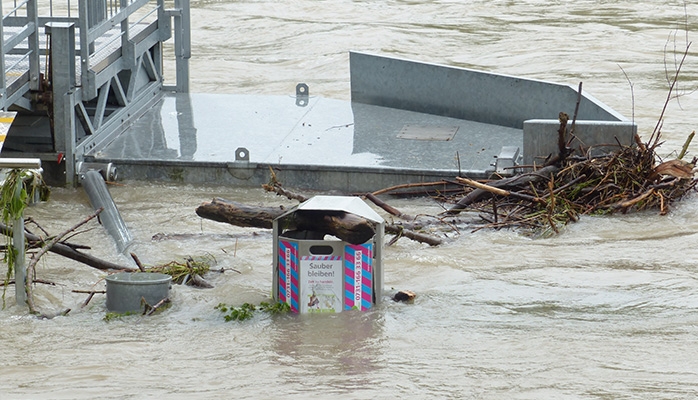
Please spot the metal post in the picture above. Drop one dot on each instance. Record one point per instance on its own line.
(18, 228)
(2, 64)
(62, 37)
(33, 41)
(18, 244)
(124, 26)
(182, 23)
(84, 43)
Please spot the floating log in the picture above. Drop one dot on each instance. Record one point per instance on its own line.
(348, 227)
(239, 214)
(345, 226)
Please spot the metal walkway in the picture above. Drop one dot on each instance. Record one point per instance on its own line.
(79, 72)
(324, 144)
(86, 78)
(407, 122)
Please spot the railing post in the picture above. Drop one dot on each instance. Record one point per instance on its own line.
(33, 39)
(3, 84)
(84, 43)
(124, 26)
(182, 24)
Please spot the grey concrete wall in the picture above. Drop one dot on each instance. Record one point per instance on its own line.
(597, 137)
(464, 93)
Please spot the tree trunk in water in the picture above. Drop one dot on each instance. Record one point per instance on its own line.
(239, 214)
(345, 226)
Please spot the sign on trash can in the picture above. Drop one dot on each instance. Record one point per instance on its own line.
(317, 272)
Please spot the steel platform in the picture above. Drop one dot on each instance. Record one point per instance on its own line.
(319, 143)
(407, 122)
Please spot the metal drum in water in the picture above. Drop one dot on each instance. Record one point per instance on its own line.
(126, 289)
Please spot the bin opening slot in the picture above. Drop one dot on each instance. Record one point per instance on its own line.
(321, 250)
(303, 235)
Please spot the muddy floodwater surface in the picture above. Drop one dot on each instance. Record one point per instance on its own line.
(605, 310)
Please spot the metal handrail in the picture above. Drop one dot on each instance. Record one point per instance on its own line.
(156, 8)
(21, 163)
(17, 7)
(11, 67)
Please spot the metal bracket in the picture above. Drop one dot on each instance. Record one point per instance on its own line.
(507, 160)
(108, 171)
(242, 154)
(302, 94)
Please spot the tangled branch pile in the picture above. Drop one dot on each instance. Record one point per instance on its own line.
(630, 178)
(190, 272)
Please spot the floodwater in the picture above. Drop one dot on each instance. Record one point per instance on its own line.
(606, 310)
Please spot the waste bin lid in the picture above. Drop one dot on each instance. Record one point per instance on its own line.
(350, 204)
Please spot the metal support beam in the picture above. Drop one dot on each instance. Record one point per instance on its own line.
(182, 23)
(33, 42)
(62, 39)
(3, 83)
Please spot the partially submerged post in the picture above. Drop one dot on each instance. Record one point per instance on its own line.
(18, 240)
(313, 274)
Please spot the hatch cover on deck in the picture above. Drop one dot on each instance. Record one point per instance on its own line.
(428, 132)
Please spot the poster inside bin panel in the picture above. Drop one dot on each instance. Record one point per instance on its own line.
(321, 284)
(288, 274)
(358, 280)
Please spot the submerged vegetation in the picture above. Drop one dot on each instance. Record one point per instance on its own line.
(187, 272)
(246, 310)
(19, 188)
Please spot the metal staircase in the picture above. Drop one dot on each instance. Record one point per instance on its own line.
(79, 72)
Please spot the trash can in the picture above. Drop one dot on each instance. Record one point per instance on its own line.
(126, 289)
(317, 272)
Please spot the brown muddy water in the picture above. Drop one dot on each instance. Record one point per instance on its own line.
(606, 310)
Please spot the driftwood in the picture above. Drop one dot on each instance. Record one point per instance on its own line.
(31, 266)
(345, 226)
(508, 185)
(239, 214)
(388, 208)
(43, 282)
(138, 262)
(399, 231)
(91, 294)
(406, 296)
(150, 310)
(68, 251)
(405, 229)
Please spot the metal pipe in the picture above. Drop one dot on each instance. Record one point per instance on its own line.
(110, 218)
(22, 163)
